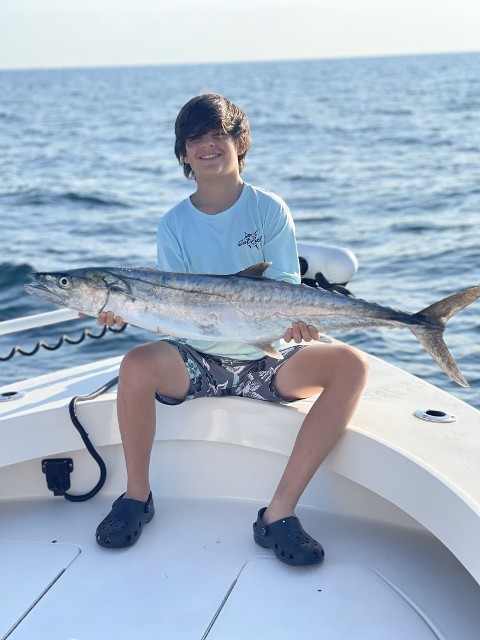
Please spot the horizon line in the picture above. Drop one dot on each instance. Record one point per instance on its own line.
(134, 65)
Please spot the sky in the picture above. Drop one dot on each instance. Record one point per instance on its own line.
(85, 33)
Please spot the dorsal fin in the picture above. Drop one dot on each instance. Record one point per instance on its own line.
(255, 271)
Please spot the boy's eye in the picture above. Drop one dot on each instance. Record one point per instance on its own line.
(221, 135)
(216, 136)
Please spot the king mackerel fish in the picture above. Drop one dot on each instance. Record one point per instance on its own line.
(244, 307)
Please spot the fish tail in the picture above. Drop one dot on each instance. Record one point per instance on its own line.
(430, 333)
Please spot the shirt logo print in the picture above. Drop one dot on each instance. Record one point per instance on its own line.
(251, 240)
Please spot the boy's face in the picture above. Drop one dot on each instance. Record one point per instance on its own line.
(213, 154)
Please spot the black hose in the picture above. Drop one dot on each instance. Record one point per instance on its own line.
(84, 435)
(62, 340)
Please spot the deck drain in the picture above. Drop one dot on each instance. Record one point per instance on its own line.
(434, 415)
(8, 396)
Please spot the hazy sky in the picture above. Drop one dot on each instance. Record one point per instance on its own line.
(53, 33)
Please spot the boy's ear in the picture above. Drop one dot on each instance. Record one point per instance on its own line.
(240, 148)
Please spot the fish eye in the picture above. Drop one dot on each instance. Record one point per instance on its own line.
(63, 282)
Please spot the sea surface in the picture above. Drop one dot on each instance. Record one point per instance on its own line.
(379, 155)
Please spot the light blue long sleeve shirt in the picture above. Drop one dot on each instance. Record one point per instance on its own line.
(257, 228)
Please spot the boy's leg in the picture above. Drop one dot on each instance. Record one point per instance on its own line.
(152, 368)
(145, 370)
(340, 373)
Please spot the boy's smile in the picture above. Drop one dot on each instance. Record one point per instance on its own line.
(209, 156)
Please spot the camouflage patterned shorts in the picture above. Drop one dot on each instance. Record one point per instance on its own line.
(217, 376)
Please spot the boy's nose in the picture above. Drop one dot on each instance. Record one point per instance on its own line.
(207, 139)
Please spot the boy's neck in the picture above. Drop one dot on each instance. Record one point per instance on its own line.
(215, 196)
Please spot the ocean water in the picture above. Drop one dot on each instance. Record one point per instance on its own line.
(380, 155)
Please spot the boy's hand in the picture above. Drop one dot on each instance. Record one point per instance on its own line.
(106, 318)
(300, 331)
(109, 319)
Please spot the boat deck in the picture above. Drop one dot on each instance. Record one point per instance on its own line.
(197, 573)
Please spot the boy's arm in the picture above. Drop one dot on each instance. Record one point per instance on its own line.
(169, 252)
(280, 246)
(280, 249)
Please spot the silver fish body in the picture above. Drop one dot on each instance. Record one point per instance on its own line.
(245, 307)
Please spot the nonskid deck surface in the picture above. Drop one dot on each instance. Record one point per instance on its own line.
(197, 573)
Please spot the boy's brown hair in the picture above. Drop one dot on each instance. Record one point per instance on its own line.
(210, 112)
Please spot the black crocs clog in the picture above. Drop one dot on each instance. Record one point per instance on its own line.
(124, 524)
(288, 540)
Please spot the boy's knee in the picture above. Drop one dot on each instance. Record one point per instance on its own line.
(353, 363)
(359, 364)
(132, 360)
(136, 363)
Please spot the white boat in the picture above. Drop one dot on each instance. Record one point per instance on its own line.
(396, 505)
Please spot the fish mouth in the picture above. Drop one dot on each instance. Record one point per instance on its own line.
(41, 290)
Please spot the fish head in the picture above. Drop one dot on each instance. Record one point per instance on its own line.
(86, 290)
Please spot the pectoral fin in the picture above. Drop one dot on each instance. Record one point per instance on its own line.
(268, 348)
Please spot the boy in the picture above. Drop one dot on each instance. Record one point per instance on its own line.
(224, 227)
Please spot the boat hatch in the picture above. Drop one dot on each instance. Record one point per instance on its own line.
(29, 570)
(311, 600)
